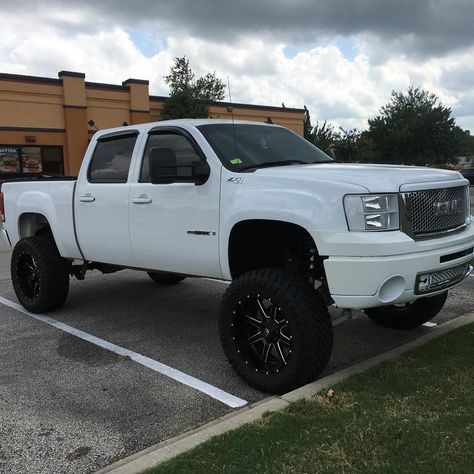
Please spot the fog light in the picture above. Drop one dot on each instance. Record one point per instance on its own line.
(391, 289)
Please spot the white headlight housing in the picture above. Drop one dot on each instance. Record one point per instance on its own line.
(372, 212)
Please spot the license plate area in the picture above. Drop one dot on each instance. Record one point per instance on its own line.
(436, 280)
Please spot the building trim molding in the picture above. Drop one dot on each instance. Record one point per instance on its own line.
(135, 81)
(32, 129)
(34, 79)
(81, 75)
(100, 85)
(161, 98)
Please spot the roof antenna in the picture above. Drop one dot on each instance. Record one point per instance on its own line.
(236, 160)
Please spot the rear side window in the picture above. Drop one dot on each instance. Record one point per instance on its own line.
(111, 159)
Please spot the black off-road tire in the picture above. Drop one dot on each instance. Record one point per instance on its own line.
(39, 274)
(164, 278)
(304, 342)
(408, 316)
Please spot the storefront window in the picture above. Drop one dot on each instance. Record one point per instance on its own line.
(47, 160)
(52, 161)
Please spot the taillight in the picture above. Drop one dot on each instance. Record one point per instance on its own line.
(2, 207)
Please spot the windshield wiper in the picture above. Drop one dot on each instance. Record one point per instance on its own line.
(268, 164)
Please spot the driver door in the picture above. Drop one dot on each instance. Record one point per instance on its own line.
(174, 227)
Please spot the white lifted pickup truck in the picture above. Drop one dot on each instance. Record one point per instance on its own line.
(257, 205)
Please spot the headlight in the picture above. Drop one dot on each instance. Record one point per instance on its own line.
(372, 212)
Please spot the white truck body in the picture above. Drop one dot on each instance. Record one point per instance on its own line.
(146, 226)
(258, 205)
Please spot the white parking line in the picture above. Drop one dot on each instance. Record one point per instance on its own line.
(214, 392)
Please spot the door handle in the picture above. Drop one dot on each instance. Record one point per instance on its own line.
(142, 199)
(87, 198)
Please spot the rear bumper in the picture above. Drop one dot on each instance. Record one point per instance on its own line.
(5, 243)
(365, 282)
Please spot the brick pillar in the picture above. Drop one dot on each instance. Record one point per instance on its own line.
(75, 118)
(139, 100)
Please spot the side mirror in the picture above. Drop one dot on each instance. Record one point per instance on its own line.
(164, 168)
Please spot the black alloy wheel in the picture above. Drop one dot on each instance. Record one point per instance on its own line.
(28, 276)
(275, 330)
(40, 276)
(262, 333)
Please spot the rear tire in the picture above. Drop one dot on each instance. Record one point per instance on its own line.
(164, 278)
(39, 274)
(275, 330)
(410, 315)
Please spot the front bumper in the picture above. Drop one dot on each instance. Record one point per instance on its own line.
(365, 282)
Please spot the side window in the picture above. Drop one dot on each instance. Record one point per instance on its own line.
(184, 150)
(111, 160)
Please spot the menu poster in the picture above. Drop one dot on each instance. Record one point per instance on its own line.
(9, 160)
(31, 160)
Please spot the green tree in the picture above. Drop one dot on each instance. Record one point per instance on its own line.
(347, 146)
(468, 146)
(190, 96)
(415, 128)
(323, 136)
(307, 126)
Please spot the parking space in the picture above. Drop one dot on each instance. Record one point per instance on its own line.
(76, 403)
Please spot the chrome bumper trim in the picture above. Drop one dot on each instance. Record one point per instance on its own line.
(436, 280)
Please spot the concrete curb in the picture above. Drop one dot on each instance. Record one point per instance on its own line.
(166, 450)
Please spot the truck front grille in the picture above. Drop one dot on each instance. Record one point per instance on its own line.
(434, 211)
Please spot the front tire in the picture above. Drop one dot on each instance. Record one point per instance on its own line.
(410, 315)
(39, 274)
(275, 330)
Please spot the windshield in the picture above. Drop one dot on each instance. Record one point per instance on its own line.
(242, 146)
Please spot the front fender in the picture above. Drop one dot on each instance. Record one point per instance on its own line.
(314, 206)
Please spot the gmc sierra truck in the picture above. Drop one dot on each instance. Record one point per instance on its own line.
(257, 205)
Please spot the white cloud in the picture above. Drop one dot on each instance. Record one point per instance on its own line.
(345, 91)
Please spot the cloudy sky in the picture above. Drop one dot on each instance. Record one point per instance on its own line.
(341, 58)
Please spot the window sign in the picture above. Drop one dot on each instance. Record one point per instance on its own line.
(9, 160)
(31, 159)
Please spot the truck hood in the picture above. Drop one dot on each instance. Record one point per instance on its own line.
(375, 178)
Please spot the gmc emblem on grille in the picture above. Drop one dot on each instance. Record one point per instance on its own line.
(448, 208)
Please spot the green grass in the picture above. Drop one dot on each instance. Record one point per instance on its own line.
(414, 414)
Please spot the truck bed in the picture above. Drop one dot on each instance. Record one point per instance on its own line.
(51, 197)
(5, 177)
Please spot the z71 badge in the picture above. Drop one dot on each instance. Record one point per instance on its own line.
(235, 180)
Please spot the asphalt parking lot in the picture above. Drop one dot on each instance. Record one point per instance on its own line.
(69, 405)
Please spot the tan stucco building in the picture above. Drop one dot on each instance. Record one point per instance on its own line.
(46, 123)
